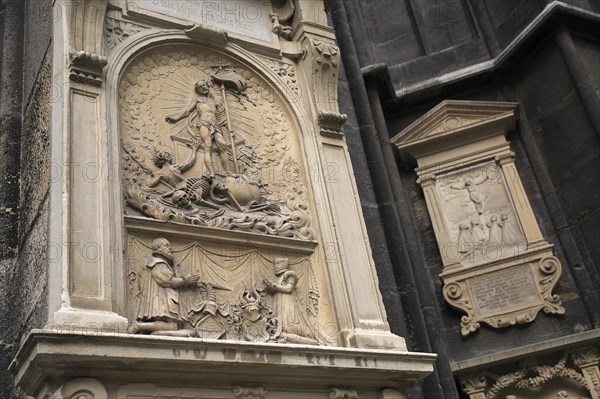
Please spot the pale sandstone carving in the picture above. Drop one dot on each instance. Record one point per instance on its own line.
(250, 393)
(498, 269)
(225, 300)
(338, 393)
(86, 67)
(225, 113)
(533, 378)
(158, 310)
(294, 324)
(117, 31)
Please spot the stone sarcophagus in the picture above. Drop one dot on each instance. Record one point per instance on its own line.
(497, 267)
(216, 243)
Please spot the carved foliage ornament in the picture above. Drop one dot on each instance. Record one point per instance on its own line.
(531, 377)
(204, 142)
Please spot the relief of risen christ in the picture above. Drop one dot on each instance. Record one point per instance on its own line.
(205, 122)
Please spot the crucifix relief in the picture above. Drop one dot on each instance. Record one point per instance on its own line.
(497, 267)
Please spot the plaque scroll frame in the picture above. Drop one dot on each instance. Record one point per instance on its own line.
(462, 139)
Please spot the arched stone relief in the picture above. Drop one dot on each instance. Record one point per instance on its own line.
(205, 142)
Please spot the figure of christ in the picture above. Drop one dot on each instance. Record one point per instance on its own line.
(158, 311)
(471, 187)
(295, 328)
(207, 125)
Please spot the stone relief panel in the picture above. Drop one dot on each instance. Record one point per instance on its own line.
(479, 214)
(497, 267)
(224, 292)
(205, 141)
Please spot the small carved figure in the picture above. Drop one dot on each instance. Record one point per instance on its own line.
(205, 121)
(295, 328)
(477, 233)
(510, 234)
(495, 230)
(158, 311)
(471, 187)
(463, 238)
(168, 172)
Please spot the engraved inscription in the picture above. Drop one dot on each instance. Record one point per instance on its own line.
(509, 289)
(248, 18)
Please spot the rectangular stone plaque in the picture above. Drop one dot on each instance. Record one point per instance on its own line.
(505, 290)
(249, 18)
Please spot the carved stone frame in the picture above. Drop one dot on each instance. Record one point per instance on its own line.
(464, 138)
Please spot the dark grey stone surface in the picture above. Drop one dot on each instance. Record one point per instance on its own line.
(553, 75)
(25, 81)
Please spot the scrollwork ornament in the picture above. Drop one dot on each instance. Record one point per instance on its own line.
(249, 393)
(453, 291)
(549, 265)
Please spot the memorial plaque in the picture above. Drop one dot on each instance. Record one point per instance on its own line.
(248, 18)
(504, 290)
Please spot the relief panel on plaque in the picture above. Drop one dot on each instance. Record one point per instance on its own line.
(479, 214)
(497, 267)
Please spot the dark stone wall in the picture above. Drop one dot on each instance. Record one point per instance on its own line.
(26, 82)
(395, 73)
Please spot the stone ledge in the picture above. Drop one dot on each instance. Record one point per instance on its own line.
(123, 359)
(539, 349)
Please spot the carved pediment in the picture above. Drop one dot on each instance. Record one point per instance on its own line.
(455, 123)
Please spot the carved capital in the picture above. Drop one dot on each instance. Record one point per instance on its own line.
(324, 64)
(331, 123)
(586, 357)
(86, 67)
(474, 385)
(337, 393)
(508, 157)
(426, 180)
